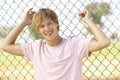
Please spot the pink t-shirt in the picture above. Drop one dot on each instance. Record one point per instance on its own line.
(61, 62)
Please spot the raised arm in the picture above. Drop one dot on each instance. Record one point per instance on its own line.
(100, 40)
(9, 44)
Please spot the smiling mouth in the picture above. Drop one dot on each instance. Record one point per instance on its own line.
(49, 33)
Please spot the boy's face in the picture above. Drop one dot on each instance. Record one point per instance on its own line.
(48, 29)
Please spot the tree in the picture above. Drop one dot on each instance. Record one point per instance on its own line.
(97, 10)
(4, 31)
(34, 34)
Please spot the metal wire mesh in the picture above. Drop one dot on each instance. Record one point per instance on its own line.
(101, 65)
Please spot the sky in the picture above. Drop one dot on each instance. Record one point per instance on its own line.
(12, 11)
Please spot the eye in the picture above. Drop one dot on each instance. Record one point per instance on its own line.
(42, 26)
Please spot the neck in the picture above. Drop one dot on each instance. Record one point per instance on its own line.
(55, 41)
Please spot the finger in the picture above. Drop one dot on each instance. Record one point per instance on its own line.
(82, 14)
(33, 12)
(29, 11)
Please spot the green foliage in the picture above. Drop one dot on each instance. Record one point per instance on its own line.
(97, 10)
(4, 31)
(34, 33)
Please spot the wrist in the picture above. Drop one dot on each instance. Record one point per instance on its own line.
(88, 21)
(23, 23)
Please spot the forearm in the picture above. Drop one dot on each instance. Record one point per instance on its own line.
(100, 40)
(99, 35)
(9, 44)
(12, 36)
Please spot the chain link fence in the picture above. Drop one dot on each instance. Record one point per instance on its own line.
(101, 65)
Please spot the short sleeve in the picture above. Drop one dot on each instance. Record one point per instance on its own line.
(81, 46)
(27, 50)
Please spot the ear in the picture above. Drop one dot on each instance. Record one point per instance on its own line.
(57, 25)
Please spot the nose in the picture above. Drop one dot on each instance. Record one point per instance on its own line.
(46, 28)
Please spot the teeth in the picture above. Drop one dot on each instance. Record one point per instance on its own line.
(49, 33)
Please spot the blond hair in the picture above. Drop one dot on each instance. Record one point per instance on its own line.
(43, 14)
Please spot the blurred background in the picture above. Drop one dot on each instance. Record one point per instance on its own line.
(101, 65)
